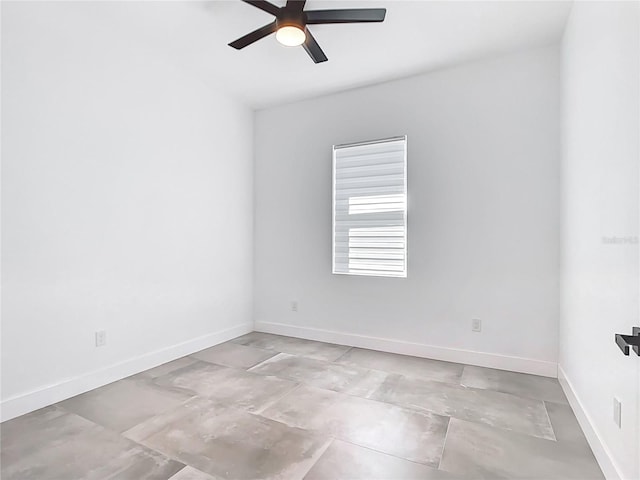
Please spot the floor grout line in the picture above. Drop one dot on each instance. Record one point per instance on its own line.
(344, 353)
(267, 360)
(444, 444)
(350, 442)
(553, 430)
(320, 453)
(269, 404)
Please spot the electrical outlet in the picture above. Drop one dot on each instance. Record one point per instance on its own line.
(617, 412)
(294, 306)
(101, 338)
(476, 325)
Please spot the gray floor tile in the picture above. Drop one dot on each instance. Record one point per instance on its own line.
(294, 346)
(565, 425)
(498, 409)
(412, 435)
(165, 368)
(27, 434)
(55, 445)
(344, 460)
(303, 408)
(234, 355)
(230, 443)
(521, 384)
(404, 365)
(317, 373)
(190, 473)
(483, 452)
(123, 404)
(230, 386)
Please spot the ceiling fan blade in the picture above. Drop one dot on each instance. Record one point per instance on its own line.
(254, 36)
(313, 49)
(297, 5)
(264, 5)
(350, 15)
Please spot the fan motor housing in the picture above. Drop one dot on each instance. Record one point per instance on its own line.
(288, 18)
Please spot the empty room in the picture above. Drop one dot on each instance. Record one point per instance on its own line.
(320, 240)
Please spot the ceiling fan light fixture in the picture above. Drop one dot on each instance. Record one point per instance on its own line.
(291, 20)
(290, 35)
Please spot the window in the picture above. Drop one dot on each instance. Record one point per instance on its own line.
(370, 208)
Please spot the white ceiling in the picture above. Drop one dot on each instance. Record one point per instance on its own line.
(417, 36)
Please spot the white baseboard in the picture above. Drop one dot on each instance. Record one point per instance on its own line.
(28, 402)
(481, 359)
(599, 448)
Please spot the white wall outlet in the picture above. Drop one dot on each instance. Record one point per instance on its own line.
(617, 412)
(101, 338)
(294, 306)
(476, 325)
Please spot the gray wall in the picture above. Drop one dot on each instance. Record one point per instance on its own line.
(483, 149)
(126, 206)
(600, 198)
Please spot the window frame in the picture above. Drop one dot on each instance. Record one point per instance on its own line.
(335, 147)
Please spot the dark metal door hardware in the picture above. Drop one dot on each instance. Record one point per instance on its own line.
(629, 342)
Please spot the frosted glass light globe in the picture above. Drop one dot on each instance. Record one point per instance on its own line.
(290, 36)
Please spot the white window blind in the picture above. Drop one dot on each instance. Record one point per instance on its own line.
(370, 208)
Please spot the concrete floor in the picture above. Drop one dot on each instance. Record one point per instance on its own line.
(265, 406)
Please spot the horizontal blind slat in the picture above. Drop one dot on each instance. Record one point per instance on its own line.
(368, 171)
(345, 193)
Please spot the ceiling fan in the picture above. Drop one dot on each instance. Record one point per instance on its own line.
(290, 25)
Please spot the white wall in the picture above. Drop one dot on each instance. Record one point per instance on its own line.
(484, 150)
(600, 175)
(126, 206)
